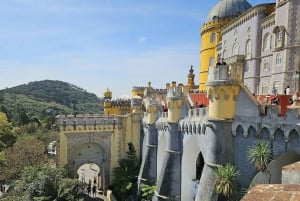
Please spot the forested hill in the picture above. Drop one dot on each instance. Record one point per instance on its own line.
(49, 97)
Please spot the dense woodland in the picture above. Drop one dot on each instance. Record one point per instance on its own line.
(27, 113)
(42, 99)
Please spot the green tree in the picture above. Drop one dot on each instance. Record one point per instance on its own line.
(125, 176)
(27, 151)
(7, 138)
(148, 192)
(261, 155)
(20, 117)
(46, 183)
(226, 182)
(70, 189)
(4, 110)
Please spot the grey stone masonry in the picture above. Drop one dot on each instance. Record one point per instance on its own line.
(168, 184)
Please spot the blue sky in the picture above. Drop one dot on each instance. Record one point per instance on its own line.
(99, 44)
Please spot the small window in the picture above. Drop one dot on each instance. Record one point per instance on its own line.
(267, 41)
(235, 49)
(235, 33)
(278, 59)
(278, 35)
(276, 85)
(264, 88)
(248, 47)
(266, 66)
(212, 37)
(249, 32)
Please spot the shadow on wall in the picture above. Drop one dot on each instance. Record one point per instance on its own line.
(275, 167)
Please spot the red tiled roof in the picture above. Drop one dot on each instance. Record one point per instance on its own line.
(198, 98)
(273, 192)
(283, 101)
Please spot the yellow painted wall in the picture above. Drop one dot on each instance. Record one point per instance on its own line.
(131, 132)
(138, 92)
(120, 137)
(222, 101)
(208, 48)
(116, 109)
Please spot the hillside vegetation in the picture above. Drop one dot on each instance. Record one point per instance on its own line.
(41, 99)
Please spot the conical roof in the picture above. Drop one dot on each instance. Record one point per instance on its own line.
(227, 9)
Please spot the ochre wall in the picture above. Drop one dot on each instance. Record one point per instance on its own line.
(120, 135)
(208, 48)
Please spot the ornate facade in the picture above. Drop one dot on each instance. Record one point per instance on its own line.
(266, 35)
(182, 144)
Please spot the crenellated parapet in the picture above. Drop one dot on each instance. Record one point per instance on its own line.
(82, 122)
(195, 122)
(175, 100)
(223, 86)
(232, 72)
(270, 124)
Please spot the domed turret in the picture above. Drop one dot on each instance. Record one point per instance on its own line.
(220, 15)
(228, 9)
(107, 94)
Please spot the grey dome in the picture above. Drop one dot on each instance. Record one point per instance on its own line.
(228, 9)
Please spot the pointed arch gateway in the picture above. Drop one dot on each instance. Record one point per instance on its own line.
(89, 148)
(192, 166)
(90, 164)
(91, 174)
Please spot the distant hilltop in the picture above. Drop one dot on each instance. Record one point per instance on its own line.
(49, 97)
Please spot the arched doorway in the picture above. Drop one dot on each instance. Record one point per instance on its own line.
(90, 173)
(192, 166)
(199, 166)
(88, 162)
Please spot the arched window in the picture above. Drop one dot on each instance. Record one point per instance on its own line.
(264, 88)
(267, 41)
(212, 37)
(235, 49)
(249, 32)
(248, 46)
(275, 88)
(278, 59)
(279, 36)
(235, 33)
(247, 66)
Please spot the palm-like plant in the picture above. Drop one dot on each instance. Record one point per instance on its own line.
(226, 177)
(148, 192)
(261, 154)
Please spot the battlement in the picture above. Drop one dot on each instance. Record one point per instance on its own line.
(225, 72)
(87, 122)
(138, 87)
(232, 72)
(175, 92)
(160, 91)
(121, 102)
